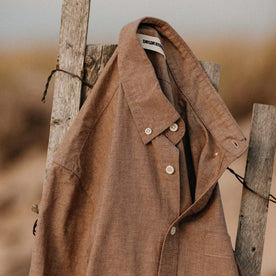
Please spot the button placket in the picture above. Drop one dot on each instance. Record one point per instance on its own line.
(169, 255)
(168, 154)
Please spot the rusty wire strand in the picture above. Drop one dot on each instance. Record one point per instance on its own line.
(64, 71)
(242, 180)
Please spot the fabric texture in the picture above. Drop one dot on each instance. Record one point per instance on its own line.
(133, 189)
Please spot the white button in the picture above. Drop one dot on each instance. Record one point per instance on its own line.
(216, 154)
(170, 169)
(148, 131)
(173, 230)
(174, 127)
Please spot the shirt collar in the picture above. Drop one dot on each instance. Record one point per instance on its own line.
(150, 107)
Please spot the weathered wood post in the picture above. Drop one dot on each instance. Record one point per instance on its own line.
(95, 60)
(71, 53)
(258, 175)
(67, 90)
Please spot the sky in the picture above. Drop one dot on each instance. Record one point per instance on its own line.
(39, 20)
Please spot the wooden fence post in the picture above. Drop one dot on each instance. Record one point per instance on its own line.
(258, 175)
(67, 90)
(95, 60)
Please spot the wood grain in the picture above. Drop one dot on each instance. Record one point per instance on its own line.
(95, 60)
(67, 90)
(213, 71)
(258, 175)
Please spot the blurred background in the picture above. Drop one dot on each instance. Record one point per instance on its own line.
(240, 35)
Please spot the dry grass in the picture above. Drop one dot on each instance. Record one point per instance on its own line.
(248, 71)
(16, 64)
(24, 119)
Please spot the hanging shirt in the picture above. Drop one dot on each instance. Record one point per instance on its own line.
(133, 189)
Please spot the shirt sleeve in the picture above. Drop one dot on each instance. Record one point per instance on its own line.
(64, 226)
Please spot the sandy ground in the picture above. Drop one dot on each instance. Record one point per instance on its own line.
(21, 185)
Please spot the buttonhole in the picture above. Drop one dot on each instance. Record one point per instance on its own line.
(235, 143)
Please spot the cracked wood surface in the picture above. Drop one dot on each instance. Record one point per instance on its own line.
(258, 176)
(67, 90)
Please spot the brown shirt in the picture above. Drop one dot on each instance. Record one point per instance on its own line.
(133, 187)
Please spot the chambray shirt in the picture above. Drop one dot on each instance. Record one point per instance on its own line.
(133, 190)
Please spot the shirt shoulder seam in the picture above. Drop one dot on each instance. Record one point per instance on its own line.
(76, 175)
(89, 131)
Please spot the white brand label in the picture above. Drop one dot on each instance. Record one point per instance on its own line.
(151, 43)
